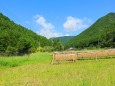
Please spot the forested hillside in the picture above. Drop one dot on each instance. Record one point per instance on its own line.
(101, 34)
(63, 39)
(16, 39)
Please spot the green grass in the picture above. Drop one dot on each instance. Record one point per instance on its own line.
(36, 70)
(14, 61)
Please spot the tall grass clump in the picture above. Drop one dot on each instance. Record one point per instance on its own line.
(13, 61)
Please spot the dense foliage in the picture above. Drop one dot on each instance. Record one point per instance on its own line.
(16, 39)
(100, 35)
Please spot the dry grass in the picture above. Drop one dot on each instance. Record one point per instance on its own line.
(63, 57)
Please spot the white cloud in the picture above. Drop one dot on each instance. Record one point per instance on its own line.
(47, 29)
(42, 21)
(48, 33)
(73, 24)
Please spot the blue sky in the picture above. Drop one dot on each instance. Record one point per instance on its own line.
(53, 18)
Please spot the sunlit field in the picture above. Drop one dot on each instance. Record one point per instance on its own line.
(36, 70)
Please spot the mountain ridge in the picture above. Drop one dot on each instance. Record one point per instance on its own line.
(96, 34)
(63, 39)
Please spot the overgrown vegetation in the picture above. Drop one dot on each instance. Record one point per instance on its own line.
(100, 35)
(14, 61)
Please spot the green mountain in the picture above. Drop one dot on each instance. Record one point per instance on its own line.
(16, 39)
(63, 39)
(100, 34)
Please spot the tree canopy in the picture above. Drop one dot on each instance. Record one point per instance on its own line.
(16, 39)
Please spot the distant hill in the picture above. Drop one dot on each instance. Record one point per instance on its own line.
(63, 39)
(15, 39)
(100, 34)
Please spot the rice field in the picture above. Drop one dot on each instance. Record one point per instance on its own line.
(36, 70)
